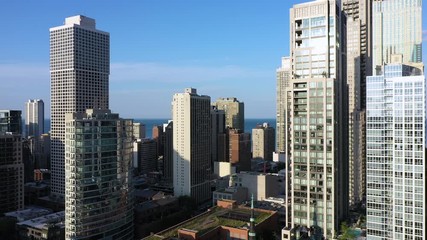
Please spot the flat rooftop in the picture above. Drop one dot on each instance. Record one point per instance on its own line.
(44, 222)
(28, 213)
(213, 218)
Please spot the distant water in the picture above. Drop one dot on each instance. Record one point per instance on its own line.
(149, 123)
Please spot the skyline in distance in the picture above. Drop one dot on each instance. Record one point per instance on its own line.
(158, 48)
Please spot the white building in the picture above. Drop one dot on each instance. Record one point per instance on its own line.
(34, 118)
(396, 164)
(192, 143)
(79, 71)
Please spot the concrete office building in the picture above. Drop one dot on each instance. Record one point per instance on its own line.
(396, 162)
(34, 118)
(359, 65)
(318, 129)
(98, 187)
(234, 112)
(192, 142)
(263, 142)
(397, 29)
(79, 71)
(11, 173)
(283, 76)
(10, 121)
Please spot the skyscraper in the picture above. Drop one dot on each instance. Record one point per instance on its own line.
(283, 75)
(34, 118)
(263, 142)
(234, 112)
(397, 29)
(318, 121)
(218, 129)
(396, 162)
(359, 65)
(98, 187)
(192, 145)
(79, 70)
(10, 121)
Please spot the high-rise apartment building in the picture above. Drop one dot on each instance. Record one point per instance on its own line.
(234, 112)
(218, 131)
(10, 121)
(318, 115)
(263, 142)
(192, 144)
(34, 118)
(396, 162)
(283, 75)
(359, 65)
(79, 70)
(397, 29)
(98, 187)
(11, 173)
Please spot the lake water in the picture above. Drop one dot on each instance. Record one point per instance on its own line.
(149, 123)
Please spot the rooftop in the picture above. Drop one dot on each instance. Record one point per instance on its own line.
(213, 218)
(28, 213)
(44, 222)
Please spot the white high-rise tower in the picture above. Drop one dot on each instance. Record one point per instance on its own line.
(79, 69)
(34, 118)
(192, 145)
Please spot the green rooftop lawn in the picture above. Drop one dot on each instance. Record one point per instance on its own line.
(210, 220)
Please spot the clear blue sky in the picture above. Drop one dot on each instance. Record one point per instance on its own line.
(223, 48)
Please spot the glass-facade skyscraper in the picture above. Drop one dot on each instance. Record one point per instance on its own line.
(98, 173)
(396, 167)
(397, 29)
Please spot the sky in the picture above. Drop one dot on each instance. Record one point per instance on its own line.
(224, 48)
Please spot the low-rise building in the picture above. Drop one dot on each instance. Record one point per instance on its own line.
(28, 213)
(48, 227)
(227, 220)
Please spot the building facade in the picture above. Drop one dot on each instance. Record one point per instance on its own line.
(34, 117)
(192, 167)
(397, 29)
(168, 153)
(318, 131)
(147, 155)
(11, 173)
(283, 76)
(234, 112)
(396, 165)
(98, 187)
(218, 131)
(10, 121)
(239, 149)
(263, 142)
(79, 72)
(359, 65)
